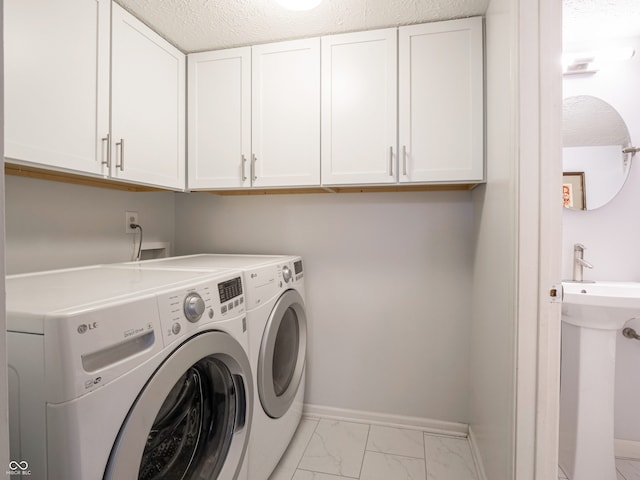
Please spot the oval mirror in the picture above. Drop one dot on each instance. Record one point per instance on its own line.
(594, 161)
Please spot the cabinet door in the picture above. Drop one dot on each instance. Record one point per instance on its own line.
(56, 81)
(441, 102)
(148, 105)
(359, 107)
(219, 118)
(286, 113)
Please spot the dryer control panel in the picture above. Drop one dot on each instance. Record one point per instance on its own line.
(297, 269)
(291, 272)
(183, 311)
(265, 283)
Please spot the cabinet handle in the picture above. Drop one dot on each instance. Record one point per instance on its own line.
(391, 161)
(244, 161)
(121, 164)
(254, 159)
(106, 161)
(404, 160)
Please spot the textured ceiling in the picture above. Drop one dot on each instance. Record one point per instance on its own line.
(198, 25)
(595, 20)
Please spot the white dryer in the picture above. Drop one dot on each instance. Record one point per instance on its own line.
(126, 373)
(277, 345)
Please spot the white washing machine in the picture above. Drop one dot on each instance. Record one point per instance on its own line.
(277, 345)
(127, 373)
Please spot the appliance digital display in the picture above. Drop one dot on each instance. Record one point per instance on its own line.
(230, 289)
(297, 266)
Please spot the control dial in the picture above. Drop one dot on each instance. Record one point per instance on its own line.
(193, 307)
(286, 274)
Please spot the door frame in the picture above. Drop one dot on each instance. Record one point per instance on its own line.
(539, 84)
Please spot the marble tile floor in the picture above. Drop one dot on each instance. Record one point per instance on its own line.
(626, 470)
(340, 450)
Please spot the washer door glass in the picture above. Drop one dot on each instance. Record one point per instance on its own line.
(192, 433)
(282, 354)
(192, 418)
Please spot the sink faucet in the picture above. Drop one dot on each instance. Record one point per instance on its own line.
(579, 263)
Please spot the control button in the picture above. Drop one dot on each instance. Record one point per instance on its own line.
(286, 274)
(211, 313)
(193, 307)
(241, 300)
(175, 328)
(223, 309)
(235, 302)
(230, 305)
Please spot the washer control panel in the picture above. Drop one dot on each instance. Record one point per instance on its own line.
(193, 307)
(184, 310)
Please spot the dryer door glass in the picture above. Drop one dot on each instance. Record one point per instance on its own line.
(285, 352)
(282, 354)
(192, 432)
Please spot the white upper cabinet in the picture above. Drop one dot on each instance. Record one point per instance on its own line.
(433, 133)
(219, 100)
(148, 105)
(64, 112)
(286, 114)
(90, 89)
(56, 83)
(441, 102)
(254, 116)
(359, 107)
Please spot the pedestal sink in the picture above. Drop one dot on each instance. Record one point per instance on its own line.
(592, 313)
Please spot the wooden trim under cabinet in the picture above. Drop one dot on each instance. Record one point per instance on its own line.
(56, 176)
(349, 189)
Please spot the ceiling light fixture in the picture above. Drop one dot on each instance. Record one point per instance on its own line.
(298, 5)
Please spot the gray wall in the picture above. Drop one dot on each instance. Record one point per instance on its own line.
(56, 225)
(493, 327)
(388, 289)
(388, 274)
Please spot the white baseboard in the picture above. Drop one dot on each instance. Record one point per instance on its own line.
(627, 449)
(477, 458)
(428, 425)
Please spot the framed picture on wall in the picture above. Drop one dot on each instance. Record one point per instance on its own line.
(573, 194)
